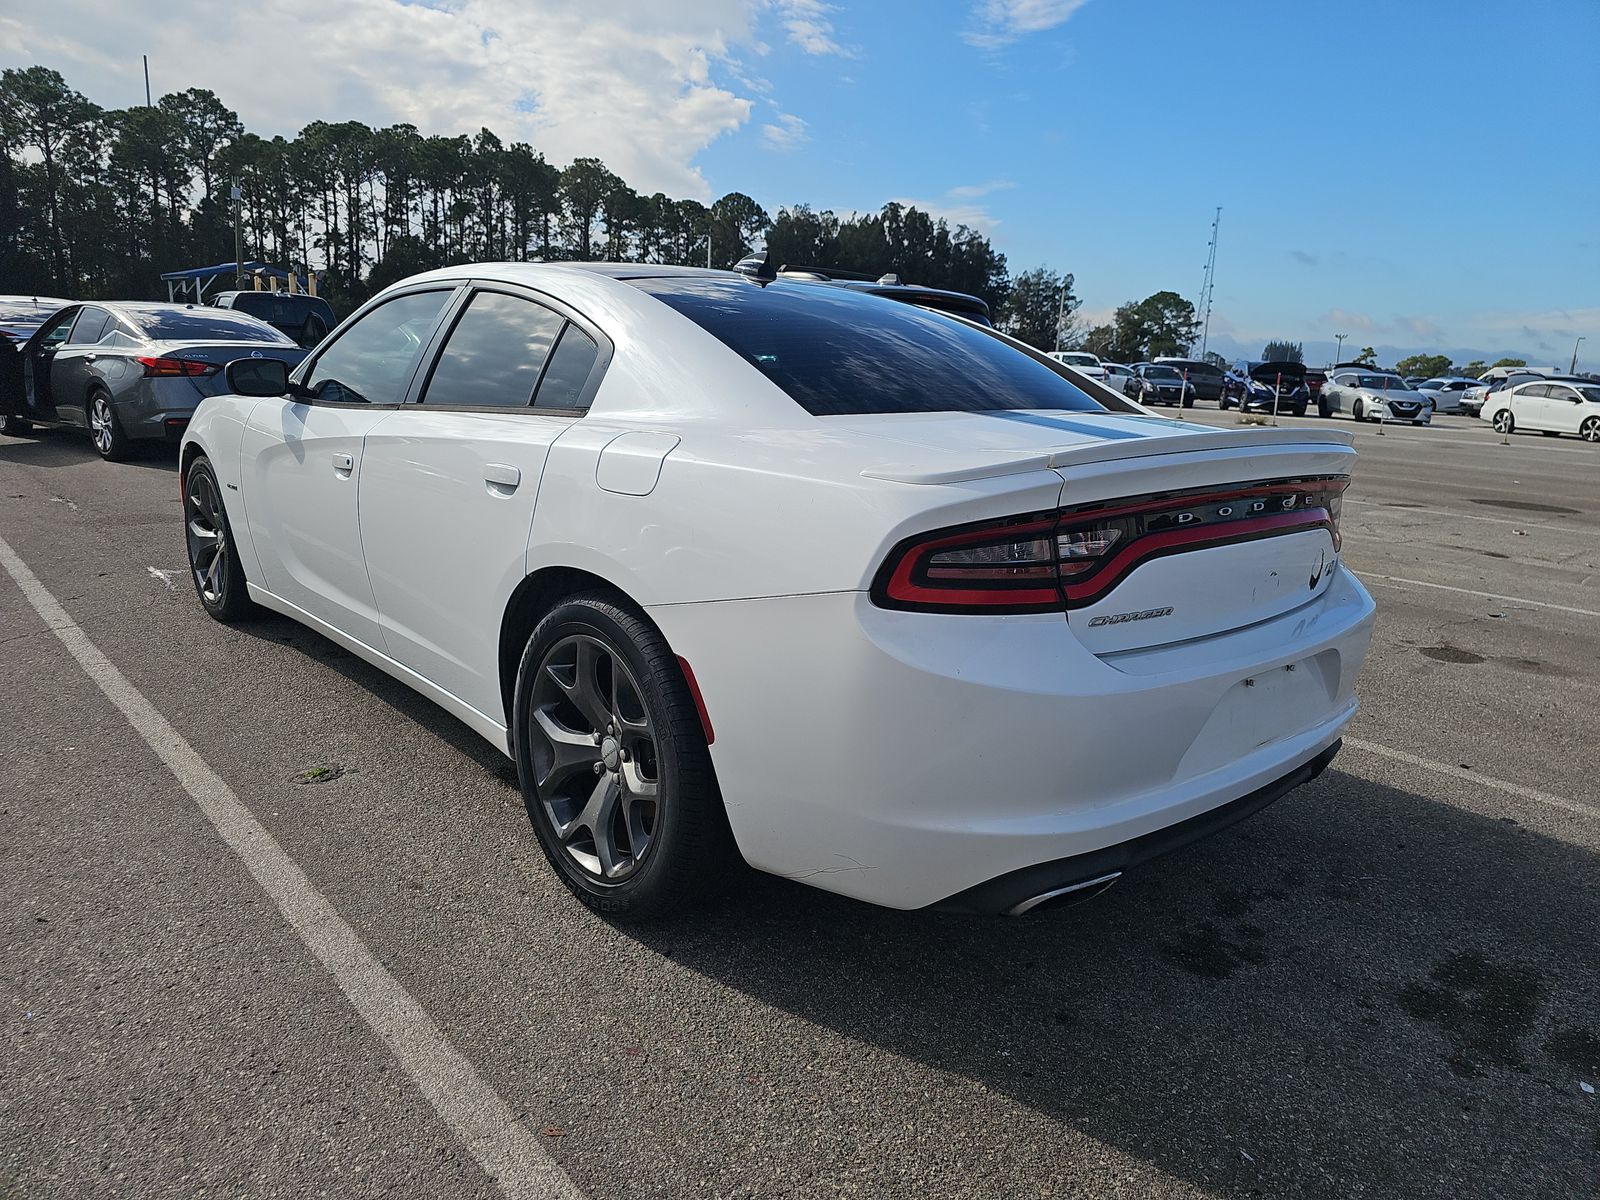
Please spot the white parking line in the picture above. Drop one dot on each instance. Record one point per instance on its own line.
(1402, 584)
(502, 1146)
(1402, 509)
(1576, 807)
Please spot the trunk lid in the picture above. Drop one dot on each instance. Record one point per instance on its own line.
(1215, 562)
(220, 354)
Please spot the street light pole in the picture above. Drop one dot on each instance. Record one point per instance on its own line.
(238, 236)
(1061, 315)
(1338, 352)
(1573, 369)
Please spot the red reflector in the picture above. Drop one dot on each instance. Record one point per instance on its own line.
(162, 368)
(699, 700)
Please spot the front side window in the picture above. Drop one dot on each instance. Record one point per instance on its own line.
(373, 360)
(842, 353)
(495, 353)
(55, 333)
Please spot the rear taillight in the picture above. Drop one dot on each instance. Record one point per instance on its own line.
(163, 368)
(1054, 562)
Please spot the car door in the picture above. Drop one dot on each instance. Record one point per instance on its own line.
(449, 482)
(73, 366)
(1563, 408)
(1530, 406)
(38, 359)
(301, 460)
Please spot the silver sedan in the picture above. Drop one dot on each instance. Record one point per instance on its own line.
(134, 372)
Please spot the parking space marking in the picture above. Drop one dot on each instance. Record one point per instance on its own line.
(474, 1111)
(1445, 587)
(1402, 509)
(1549, 799)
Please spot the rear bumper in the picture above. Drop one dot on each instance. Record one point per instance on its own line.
(1066, 879)
(908, 758)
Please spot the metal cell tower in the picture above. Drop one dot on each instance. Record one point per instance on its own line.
(1209, 282)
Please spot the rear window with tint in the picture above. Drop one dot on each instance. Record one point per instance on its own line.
(840, 353)
(202, 325)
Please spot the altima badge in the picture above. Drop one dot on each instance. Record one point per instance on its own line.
(1146, 614)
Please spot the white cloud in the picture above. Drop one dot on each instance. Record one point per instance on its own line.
(643, 85)
(808, 26)
(974, 191)
(1338, 318)
(998, 23)
(973, 216)
(788, 133)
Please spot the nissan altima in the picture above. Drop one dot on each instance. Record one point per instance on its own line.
(733, 568)
(130, 372)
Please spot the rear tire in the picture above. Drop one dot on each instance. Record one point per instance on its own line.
(214, 566)
(1504, 422)
(105, 430)
(598, 687)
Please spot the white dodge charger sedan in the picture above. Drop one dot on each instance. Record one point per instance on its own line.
(862, 594)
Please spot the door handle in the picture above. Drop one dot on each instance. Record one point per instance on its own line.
(343, 464)
(502, 476)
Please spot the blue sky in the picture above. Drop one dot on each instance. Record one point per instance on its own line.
(1413, 174)
(1419, 174)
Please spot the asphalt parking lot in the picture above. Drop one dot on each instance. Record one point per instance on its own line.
(1384, 985)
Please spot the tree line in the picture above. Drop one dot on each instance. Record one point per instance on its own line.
(97, 203)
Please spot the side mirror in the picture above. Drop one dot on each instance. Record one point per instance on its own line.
(258, 377)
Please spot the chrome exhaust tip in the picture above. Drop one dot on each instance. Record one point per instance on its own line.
(1073, 893)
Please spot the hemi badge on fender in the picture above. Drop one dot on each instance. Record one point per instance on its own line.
(1121, 618)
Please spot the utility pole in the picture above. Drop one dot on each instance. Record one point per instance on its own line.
(1338, 352)
(238, 237)
(1209, 283)
(1573, 369)
(1061, 314)
(146, 58)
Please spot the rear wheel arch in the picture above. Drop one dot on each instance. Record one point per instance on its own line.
(533, 598)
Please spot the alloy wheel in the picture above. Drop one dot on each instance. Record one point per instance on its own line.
(100, 424)
(595, 764)
(1590, 430)
(1502, 421)
(207, 535)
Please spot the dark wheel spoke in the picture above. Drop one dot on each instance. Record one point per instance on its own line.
(592, 746)
(569, 751)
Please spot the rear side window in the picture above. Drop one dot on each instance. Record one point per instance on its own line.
(373, 360)
(569, 370)
(841, 353)
(90, 326)
(494, 355)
